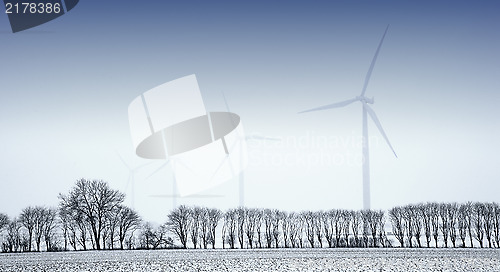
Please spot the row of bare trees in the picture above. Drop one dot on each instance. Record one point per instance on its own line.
(90, 215)
(93, 211)
(195, 224)
(36, 226)
(443, 224)
(266, 228)
(447, 222)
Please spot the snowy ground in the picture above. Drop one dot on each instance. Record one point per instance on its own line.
(406, 260)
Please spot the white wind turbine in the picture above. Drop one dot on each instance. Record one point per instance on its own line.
(131, 178)
(367, 110)
(241, 176)
(174, 194)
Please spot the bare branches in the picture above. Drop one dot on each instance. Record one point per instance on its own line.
(178, 223)
(4, 221)
(398, 224)
(214, 215)
(91, 201)
(92, 214)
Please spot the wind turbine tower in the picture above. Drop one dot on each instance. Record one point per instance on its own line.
(367, 110)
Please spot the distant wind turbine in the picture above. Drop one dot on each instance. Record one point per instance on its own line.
(367, 110)
(242, 173)
(131, 178)
(174, 194)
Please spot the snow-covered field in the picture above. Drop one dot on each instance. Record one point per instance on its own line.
(406, 260)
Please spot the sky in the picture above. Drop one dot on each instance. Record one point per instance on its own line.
(66, 86)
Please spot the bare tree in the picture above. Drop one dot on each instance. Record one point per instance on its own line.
(83, 231)
(365, 216)
(469, 219)
(178, 223)
(339, 226)
(496, 223)
(250, 226)
(268, 227)
(397, 222)
(380, 217)
(426, 218)
(345, 225)
(241, 213)
(409, 217)
(308, 218)
(4, 221)
(434, 212)
(128, 222)
(478, 210)
(445, 222)
(194, 224)
(64, 222)
(295, 229)
(452, 212)
(155, 238)
(230, 223)
(146, 235)
(301, 230)
(94, 200)
(258, 226)
(329, 219)
(112, 220)
(214, 216)
(355, 224)
(75, 224)
(27, 219)
(373, 223)
(286, 226)
(39, 225)
(277, 222)
(418, 222)
(488, 219)
(462, 214)
(204, 228)
(14, 235)
(160, 238)
(49, 227)
(318, 230)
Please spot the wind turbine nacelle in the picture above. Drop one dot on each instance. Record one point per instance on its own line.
(366, 99)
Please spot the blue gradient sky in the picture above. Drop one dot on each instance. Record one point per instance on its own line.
(66, 86)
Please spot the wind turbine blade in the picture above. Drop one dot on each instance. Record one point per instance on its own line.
(128, 182)
(179, 161)
(123, 161)
(159, 168)
(369, 73)
(225, 102)
(227, 108)
(142, 165)
(226, 158)
(334, 105)
(379, 126)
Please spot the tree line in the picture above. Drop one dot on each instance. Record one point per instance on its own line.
(452, 222)
(92, 216)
